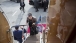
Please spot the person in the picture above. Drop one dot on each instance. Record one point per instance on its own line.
(22, 5)
(40, 3)
(17, 34)
(45, 5)
(36, 4)
(32, 24)
(24, 31)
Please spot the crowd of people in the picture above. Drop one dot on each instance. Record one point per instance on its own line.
(37, 4)
(41, 3)
(31, 22)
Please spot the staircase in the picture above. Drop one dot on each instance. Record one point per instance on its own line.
(33, 39)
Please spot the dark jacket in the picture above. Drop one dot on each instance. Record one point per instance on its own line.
(36, 3)
(33, 30)
(45, 3)
(18, 35)
(22, 5)
(31, 21)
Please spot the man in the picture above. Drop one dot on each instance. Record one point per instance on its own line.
(36, 4)
(32, 24)
(22, 5)
(17, 34)
(45, 5)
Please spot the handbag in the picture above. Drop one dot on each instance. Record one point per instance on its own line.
(37, 30)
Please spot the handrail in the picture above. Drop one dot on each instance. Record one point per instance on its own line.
(18, 25)
(43, 35)
(43, 30)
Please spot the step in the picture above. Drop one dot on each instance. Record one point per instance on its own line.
(33, 39)
(32, 42)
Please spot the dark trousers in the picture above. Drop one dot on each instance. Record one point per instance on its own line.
(33, 30)
(21, 7)
(45, 5)
(45, 8)
(36, 8)
(20, 40)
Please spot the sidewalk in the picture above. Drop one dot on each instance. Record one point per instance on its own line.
(16, 17)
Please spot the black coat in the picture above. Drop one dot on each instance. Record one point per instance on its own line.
(22, 5)
(31, 21)
(45, 3)
(36, 3)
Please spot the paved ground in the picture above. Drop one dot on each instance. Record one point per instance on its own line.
(12, 11)
(17, 17)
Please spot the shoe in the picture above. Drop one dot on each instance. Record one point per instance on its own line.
(20, 8)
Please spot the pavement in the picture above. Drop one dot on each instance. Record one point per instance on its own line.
(16, 17)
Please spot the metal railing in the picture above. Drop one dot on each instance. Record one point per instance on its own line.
(43, 35)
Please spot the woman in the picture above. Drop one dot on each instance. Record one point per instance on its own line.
(32, 24)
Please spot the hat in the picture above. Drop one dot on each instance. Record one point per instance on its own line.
(29, 14)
